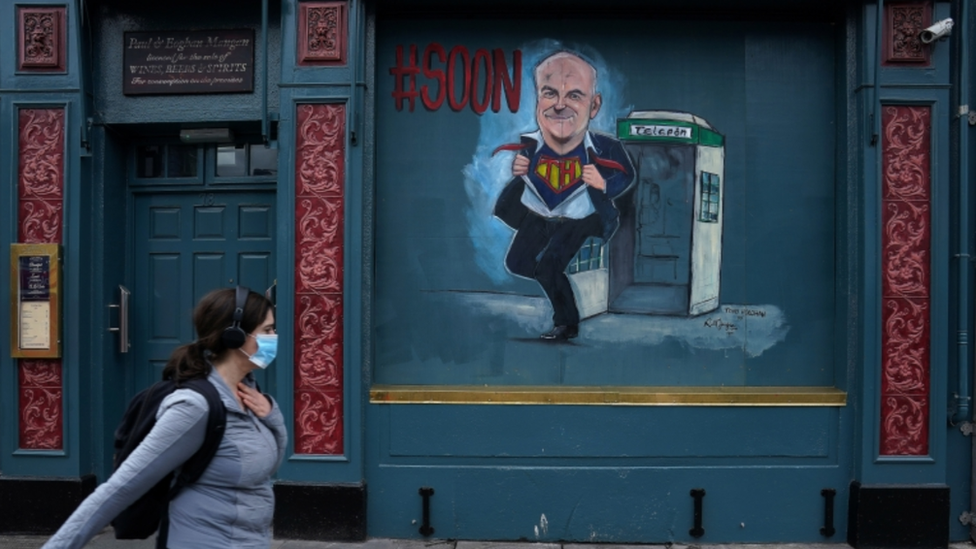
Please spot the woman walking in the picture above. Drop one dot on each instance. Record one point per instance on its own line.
(232, 503)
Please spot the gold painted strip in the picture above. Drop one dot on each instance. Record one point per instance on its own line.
(613, 396)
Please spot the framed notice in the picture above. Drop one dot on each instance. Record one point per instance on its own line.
(186, 62)
(35, 304)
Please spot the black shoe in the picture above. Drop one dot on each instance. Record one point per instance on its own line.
(561, 332)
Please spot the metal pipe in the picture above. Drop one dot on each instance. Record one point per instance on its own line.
(962, 256)
(265, 133)
(357, 60)
(875, 116)
(353, 42)
(83, 80)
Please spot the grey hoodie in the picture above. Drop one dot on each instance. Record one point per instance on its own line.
(232, 503)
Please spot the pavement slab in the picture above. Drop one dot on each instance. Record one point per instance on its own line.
(106, 540)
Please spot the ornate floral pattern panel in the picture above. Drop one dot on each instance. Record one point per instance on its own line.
(903, 23)
(41, 39)
(40, 190)
(906, 280)
(41, 425)
(322, 35)
(319, 193)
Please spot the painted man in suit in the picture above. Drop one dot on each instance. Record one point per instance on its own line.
(565, 179)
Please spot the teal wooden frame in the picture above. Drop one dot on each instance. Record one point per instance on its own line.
(328, 84)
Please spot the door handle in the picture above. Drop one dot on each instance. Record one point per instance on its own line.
(123, 327)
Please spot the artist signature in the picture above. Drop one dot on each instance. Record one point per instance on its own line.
(719, 324)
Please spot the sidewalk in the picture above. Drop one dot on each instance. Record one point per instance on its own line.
(106, 540)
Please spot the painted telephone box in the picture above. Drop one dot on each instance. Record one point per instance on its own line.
(667, 256)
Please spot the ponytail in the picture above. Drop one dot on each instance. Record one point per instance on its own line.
(187, 362)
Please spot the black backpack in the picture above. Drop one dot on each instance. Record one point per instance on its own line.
(151, 511)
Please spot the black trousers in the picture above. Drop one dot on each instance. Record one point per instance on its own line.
(542, 249)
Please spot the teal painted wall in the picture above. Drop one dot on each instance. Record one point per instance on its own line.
(781, 98)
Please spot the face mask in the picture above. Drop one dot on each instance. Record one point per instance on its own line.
(267, 349)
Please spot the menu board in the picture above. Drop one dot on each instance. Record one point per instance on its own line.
(35, 304)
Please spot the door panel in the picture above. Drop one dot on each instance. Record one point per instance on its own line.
(664, 213)
(187, 244)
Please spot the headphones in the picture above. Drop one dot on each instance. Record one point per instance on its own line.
(233, 336)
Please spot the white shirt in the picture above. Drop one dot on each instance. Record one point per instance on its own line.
(577, 206)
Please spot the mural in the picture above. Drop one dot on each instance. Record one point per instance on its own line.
(669, 252)
(608, 232)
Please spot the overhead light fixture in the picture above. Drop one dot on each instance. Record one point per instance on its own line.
(207, 135)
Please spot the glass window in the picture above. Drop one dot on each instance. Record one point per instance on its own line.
(181, 161)
(264, 160)
(589, 257)
(231, 161)
(149, 161)
(708, 204)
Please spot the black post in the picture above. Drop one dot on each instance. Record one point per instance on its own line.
(698, 531)
(828, 527)
(426, 529)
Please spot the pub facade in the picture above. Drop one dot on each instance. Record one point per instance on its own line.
(617, 272)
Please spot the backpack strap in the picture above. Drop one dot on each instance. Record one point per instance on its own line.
(216, 422)
(198, 462)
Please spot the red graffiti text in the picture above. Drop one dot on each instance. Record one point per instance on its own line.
(463, 79)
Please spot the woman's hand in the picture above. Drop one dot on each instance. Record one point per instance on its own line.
(254, 400)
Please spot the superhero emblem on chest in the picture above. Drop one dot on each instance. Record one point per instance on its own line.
(559, 173)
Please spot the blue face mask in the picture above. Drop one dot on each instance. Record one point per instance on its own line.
(267, 349)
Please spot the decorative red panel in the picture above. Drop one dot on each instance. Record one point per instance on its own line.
(903, 23)
(319, 217)
(42, 37)
(40, 404)
(905, 280)
(905, 424)
(905, 345)
(40, 191)
(322, 35)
